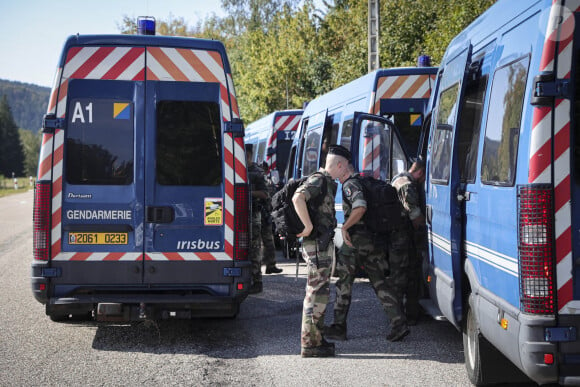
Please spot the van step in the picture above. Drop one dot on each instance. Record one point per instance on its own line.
(432, 309)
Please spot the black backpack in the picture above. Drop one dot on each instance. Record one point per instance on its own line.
(284, 216)
(383, 205)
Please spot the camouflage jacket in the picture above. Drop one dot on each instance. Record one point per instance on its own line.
(325, 220)
(257, 183)
(408, 191)
(353, 197)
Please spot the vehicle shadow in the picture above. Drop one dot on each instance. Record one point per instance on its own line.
(269, 324)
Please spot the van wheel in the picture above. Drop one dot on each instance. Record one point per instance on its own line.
(485, 364)
(472, 349)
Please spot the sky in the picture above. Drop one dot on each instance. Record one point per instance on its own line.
(32, 32)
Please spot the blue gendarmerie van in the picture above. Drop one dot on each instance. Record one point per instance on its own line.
(503, 178)
(141, 205)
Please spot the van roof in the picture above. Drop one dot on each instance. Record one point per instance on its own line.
(485, 26)
(360, 87)
(262, 127)
(145, 40)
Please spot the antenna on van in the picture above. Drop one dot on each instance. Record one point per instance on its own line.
(146, 25)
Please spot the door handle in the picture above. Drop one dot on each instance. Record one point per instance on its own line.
(465, 196)
(160, 214)
(429, 213)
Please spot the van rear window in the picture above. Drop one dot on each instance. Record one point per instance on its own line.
(99, 142)
(189, 147)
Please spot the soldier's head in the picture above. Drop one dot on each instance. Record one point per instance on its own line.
(338, 162)
(417, 170)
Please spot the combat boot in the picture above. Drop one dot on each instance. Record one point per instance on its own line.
(273, 269)
(335, 332)
(398, 333)
(325, 349)
(256, 287)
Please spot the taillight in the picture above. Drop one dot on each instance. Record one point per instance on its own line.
(41, 221)
(241, 222)
(535, 244)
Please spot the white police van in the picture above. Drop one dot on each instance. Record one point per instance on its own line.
(272, 137)
(141, 204)
(502, 190)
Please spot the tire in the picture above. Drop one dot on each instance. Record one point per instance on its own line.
(472, 349)
(484, 363)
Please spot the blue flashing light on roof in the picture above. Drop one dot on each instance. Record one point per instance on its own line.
(146, 25)
(424, 61)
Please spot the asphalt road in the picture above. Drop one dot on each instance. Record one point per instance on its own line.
(258, 348)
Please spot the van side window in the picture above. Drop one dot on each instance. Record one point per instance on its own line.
(99, 143)
(469, 128)
(346, 134)
(443, 136)
(503, 123)
(312, 145)
(189, 148)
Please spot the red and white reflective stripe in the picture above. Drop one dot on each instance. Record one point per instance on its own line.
(98, 257)
(57, 160)
(402, 86)
(558, 41)
(288, 122)
(45, 159)
(115, 63)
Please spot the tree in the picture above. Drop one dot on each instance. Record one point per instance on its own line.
(286, 52)
(11, 154)
(31, 147)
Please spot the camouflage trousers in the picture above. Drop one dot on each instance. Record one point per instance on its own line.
(415, 287)
(317, 292)
(399, 251)
(268, 248)
(364, 253)
(261, 233)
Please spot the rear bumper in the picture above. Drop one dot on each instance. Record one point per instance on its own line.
(214, 296)
(138, 304)
(524, 341)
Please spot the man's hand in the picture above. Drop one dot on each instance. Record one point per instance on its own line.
(306, 232)
(346, 237)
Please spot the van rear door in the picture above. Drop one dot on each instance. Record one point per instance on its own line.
(101, 198)
(184, 190)
(444, 195)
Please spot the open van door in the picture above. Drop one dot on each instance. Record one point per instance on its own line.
(381, 153)
(444, 192)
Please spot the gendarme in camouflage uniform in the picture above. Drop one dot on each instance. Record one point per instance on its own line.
(409, 194)
(369, 251)
(318, 258)
(257, 183)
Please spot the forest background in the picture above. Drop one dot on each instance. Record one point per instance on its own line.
(283, 53)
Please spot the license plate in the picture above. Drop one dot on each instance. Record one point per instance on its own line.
(97, 238)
